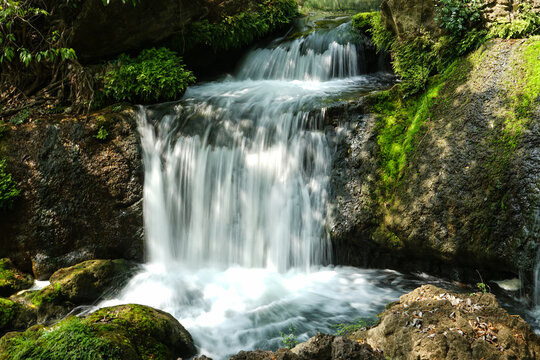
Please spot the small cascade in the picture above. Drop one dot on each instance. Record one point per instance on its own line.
(320, 56)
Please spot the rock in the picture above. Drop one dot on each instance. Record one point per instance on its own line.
(406, 17)
(82, 284)
(11, 279)
(319, 347)
(463, 198)
(81, 197)
(16, 316)
(87, 282)
(103, 31)
(131, 332)
(432, 323)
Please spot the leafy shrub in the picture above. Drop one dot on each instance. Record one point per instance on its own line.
(525, 22)
(8, 187)
(243, 28)
(289, 340)
(155, 75)
(458, 16)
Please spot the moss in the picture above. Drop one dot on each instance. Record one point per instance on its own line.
(8, 187)
(364, 21)
(243, 28)
(69, 339)
(12, 280)
(122, 332)
(7, 312)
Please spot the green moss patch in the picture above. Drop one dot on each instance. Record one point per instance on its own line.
(123, 332)
(11, 279)
(7, 312)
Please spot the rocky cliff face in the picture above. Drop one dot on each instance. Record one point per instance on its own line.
(104, 31)
(81, 197)
(469, 194)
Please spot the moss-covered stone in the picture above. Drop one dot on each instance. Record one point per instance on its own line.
(127, 332)
(11, 279)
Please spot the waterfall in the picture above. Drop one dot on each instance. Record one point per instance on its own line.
(236, 196)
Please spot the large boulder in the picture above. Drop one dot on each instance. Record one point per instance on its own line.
(468, 196)
(432, 323)
(81, 196)
(130, 332)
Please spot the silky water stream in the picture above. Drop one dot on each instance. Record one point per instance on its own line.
(236, 196)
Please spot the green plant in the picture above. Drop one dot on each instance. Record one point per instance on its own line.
(525, 23)
(482, 287)
(20, 117)
(155, 75)
(102, 133)
(289, 340)
(345, 329)
(7, 312)
(8, 187)
(458, 16)
(241, 29)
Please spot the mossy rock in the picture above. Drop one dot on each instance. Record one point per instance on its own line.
(81, 284)
(364, 21)
(127, 332)
(88, 281)
(11, 279)
(15, 316)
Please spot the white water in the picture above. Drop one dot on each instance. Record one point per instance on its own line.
(235, 198)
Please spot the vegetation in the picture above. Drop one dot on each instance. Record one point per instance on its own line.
(525, 23)
(345, 329)
(7, 312)
(289, 340)
(8, 187)
(458, 16)
(243, 28)
(154, 75)
(70, 339)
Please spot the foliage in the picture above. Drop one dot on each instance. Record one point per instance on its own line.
(482, 287)
(243, 28)
(155, 75)
(11, 279)
(364, 21)
(102, 134)
(7, 312)
(8, 187)
(289, 340)
(458, 16)
(71, 339)
(20, 117)
(525, 23)
(345, 329)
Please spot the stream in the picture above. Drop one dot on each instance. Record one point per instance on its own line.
(236, 195)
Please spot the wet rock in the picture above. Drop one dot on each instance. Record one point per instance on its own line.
(432, 323)
(132, 332)
(82, 284)
(319, 347)
(11, 279)
(81, 197)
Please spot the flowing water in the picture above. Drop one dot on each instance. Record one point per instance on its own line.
(236, 197)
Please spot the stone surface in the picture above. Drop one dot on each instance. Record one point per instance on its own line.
(81, 197)
(455, 204)
(131, 332)
(319, 347)
(103, 31)
(432, 323)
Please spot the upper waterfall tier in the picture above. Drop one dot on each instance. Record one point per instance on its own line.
(323, 55)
